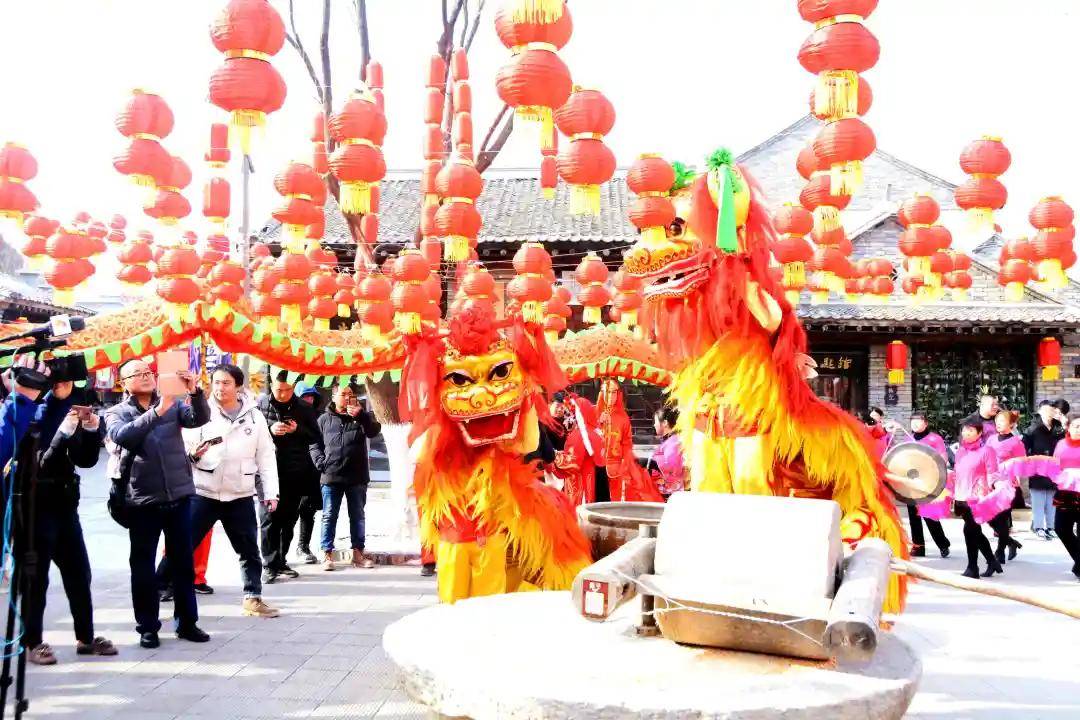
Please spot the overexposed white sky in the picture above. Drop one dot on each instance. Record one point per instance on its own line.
(684, 75)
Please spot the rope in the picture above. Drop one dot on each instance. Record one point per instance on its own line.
(646, 590)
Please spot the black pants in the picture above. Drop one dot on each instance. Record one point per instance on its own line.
(936, 531)
(148, 523)
(1001, 524)
(237, 517)
(1065, 525)
(974, 539)
(276, 530)
(310, 506)
(58, 538)
(603, 489)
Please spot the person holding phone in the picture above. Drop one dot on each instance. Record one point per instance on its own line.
(293, 427)
(340, 455)
(234, 461)
(152, 490)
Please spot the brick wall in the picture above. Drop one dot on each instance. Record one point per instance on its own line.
(876, 387)
(1068, 386)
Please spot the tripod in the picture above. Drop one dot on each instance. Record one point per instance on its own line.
(24, 567)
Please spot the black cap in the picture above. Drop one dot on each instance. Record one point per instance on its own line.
(32, 379)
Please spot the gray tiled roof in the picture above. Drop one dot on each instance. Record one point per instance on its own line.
(511, 205)
(984, 313)
(13, 290)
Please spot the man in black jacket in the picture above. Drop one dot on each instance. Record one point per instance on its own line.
(292, 425)
(341, 456)
(1041, 438)
(157, 486)
(58, 534)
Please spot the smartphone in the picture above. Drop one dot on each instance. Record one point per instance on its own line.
(83, 411)
(213, 441)
(169, 363)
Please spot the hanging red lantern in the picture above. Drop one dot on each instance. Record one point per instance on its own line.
(816, 196)
(477, 287)
(535, 82)
(291, 290)
(373, 306)
(457, 221)
(304, 193)
(322, 306)
(896, 361)
(651, 178)
(116, 234)
(168, 205)
(628, 298)
(135, 257)
(981, 194)
(1049, 358)
(176, 284)
(515, 33)
(409, 295)
(1013, 275)
(838, 51)
(1053, 219)
(345, 294)
(591, 274)
(842, 146)
(793, 223)
(217, 154)
(217, 202)
(68, 248)
(38, 229)
(17, 166)
(145, 120)
(529, 287)
(586, 161)
(249, 33)
(359, 129)
(864, 99)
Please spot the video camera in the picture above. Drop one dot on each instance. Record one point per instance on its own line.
(65, 368)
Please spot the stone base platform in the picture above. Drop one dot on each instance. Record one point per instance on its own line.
(529, 656)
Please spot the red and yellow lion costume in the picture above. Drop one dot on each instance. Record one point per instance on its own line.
(749, 422)
(476, 397)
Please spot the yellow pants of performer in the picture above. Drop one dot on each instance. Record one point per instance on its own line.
(470, 570)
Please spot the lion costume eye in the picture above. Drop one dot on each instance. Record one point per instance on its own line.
(501, 371)
(459, 379)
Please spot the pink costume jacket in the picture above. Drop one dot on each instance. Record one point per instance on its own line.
(670, 475)
(978, 482)
(935, 442)
(1067, 453)
(1010, 448)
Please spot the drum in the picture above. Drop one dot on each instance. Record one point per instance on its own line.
(914, 472)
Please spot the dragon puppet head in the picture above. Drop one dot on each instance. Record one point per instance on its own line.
(709, 275)
(481, 380)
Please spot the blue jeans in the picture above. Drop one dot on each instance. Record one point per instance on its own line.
(1042, 509)
(148, 523)
(355, 497)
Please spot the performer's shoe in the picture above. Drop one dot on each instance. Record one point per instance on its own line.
(1013, 547)
(999, 555)
(203, 589)
(918, 551)
(971, 572)
(944, 551)
(428, 570)
(994, 567)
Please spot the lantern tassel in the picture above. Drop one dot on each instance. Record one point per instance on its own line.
(322, 323)
(591, 315)
(343, 310)
(1014, 292)
(837, 94)
(1051, 372)
(826, 219)
(794, 275)
(407, 323)
(585, 200)
(241, 123)
(356, 198)
(220, 310)
(980, 220)
(371, 333)
(532, 312)
(792, 297)
(456, 248)
(846, 178)
(552, 336)
(628, 319)
(896, 377)
(537, 11)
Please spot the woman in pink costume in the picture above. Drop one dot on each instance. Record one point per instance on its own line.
(922, 434)
(1008, 447)
(974, 476)
(1067, 497)
(666, 464)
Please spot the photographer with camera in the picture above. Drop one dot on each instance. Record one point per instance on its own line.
(58, 534)
(152, 495)
(24, 385)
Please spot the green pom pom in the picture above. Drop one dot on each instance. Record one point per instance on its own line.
(684, 175)
(718, 158)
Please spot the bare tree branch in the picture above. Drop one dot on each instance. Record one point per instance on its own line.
(446, 40)
(494, 126)
(464, 24)
(475, 26)
(487, 156)
(362, 28)
(298, 45)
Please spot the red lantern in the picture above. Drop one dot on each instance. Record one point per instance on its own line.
(842, 146)
(1049, 358)
(650, 178)
(1053, 218)
(529, 287)
(837, 52)
(791, 250)
(247, 86)
(1014, 274)
(591, 274)
(864, 99)
(409, 296)
(217, 201)
(38, 229)
(457, 221)
(535, 82)
(896, 361)
(817, 197)
(217, 155)
(586, 161)
(17, 166)
(921, 209)
(981, 194)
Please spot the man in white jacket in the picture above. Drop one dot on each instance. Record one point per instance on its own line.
(234, 460)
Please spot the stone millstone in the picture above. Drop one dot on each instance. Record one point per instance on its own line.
(529, 656)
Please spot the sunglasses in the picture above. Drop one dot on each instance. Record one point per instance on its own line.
(140, 375)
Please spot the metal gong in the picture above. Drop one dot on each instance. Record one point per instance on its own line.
(914, 472)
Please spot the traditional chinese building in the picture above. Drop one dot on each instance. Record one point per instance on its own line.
(957, 350)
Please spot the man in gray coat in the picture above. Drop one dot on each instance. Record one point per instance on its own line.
(156, 486)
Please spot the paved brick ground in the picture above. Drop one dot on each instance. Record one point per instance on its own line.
(983, 657)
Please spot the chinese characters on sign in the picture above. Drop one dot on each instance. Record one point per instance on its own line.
(835, 362)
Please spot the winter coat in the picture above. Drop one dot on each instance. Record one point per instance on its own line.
(57, 479)
(670, 469)
(1067, 454)
(243, 464)
(17, 412)
(341, 452)
(975, 472)
(296, 473)
(152, 447)
(1042, 440)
